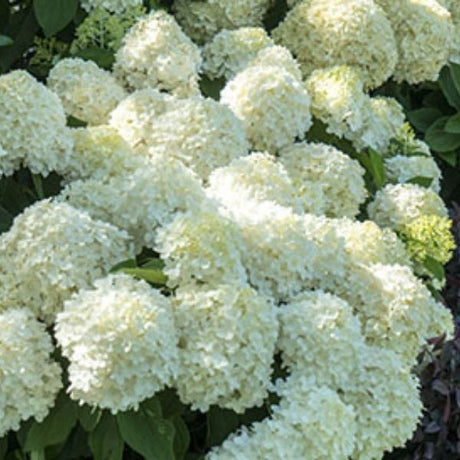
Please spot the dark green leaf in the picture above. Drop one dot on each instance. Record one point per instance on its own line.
(212, 88)
(54, 15)
(4, 13)
(75, 122)
(128, 263)
(55, 428)
(449, 157)
(449, 89)
(153, 276)
(88, 417)
(434, 267)
(170, 403)
(181, 437)
(102, 57)
(105, 441)
(6, 219)
(455, 75)
(275, 14)
(439, 140)
(423, 118)
(5, 41)
(152, 437)
(76, 446)
(377, 168)
(151, 407)
(220, 423)
(453, 124)
(3, 446)
(422, 181)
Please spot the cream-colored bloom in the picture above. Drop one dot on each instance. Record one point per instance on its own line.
(115, 6)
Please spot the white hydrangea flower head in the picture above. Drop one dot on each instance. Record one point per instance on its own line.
(32, 116)
(200, 132)
(310, 422)
(398, 204)
(230, 51)
(156, 53)
(227, 342)
(325, 33)
(29, 379)
(271, 103)
(340, 178)
(383, 120)
(115, 6)
(277, 55)
(201, 20)
(256, 177)
(401, 169)
(99, 153)
(338, 98)
(164, 186)
(87, 92)
(52, 250)
(121, 342)
(320, 336)
(424, 33)
(202, 246)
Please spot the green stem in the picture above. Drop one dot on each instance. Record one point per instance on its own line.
(38, 184)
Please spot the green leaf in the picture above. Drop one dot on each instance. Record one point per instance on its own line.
(449, 88)
(150, 275)
(55, 428)
(128, 263)
(434, 267)
(455, 75)
(156, 264)
(102, 57)
(181, 437)
(439, 140)
(152, 437)
(4, 15)
(5, 41)
(54, 15)
(3, 446)
(377, 168)
(449, 157)
(75, 122)
(6, 219)
(88, 417)
(453, 124)
(212, 88)
(105, 441)
(422, 119)
(422, 181)
(220, 423)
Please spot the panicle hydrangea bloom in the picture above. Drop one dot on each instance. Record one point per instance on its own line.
(310, 422)
(230, 51)
(200, 132)
(338, 98)
(33, 128)
(103, 29)
(201, 246)
(429, 236)
(279, 56)
(121, 342)
(340, 178)
(256, 177)
(115, 6)
(99, 153)
(29, 379)
(52, 250)
(155, 53)
(46, 51)
(401, 169)
(423, 31)
(325, 33)
(227, 342)
(201, 20)
(271, 103)
(164, 186)
(87, 92)
(398, 204)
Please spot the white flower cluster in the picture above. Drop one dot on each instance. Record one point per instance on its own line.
(115, 6)
(454, 9)
(87, 92)
(155, 53)
(33, 128)
(325, 33)
(29, 379)
(227, 337)
(120, 341)
(51, 251)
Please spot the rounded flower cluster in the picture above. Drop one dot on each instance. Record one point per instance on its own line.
(51, 251)
(114, 6)
(121, 343)
(201, 246)
(29, 379)
(164, 186)
(324, 33)
(230, 51)
(322, 167)
(271, 103)
(227, 341)
(280, 56)
(155, 53)
(397, 205)
(87, 92)
(424, 32)
(202, 19)
(31, 115)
